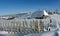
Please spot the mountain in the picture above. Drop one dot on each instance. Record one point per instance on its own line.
(28, 15)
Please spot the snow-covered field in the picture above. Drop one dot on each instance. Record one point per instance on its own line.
(48, 33)
(55, 18)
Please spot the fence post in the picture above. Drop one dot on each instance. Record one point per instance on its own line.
(31, 26)
(8, 28)
(26, 26)
(21, 27)
(36, 25)
(15, 28)
(41, 26)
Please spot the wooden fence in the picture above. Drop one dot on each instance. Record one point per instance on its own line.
(22, 26)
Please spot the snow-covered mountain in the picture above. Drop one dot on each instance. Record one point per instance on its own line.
(29, 15)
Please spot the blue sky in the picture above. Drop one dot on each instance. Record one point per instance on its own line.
(16, 6)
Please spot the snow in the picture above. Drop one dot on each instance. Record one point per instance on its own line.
(48, 34)
(58, 33)
(45, 13)
(3, 32)
(55, 18)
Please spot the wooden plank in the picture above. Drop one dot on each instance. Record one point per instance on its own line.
(36, 25)
(30, 26)
(41, 26)
(26, 26)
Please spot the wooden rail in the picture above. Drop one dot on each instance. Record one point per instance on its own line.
(24, 26)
